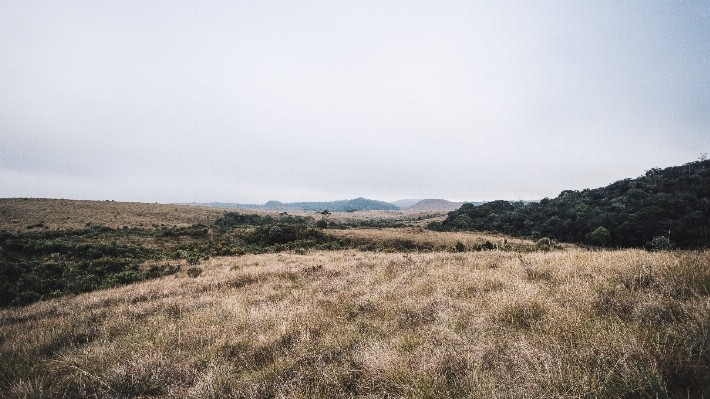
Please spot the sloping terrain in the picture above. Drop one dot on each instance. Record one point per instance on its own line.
(406, 203)
(354, 311)
(351, 324)
(45, 261)
(17, 214)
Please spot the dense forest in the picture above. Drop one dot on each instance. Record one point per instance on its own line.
(665, 208)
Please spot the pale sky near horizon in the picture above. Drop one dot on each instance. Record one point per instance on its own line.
(249, 101)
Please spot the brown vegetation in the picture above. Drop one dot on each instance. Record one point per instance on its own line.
(415, 217)
(438, 240)
(17, 214)
(32, 214)
(568, 323)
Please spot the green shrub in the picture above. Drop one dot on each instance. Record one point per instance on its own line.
(459, 247)
(544, 241)
(127, 277)
(486, 246)
(171, 269)
(435, 226)
(660, 243)
(599, 237)
(153, 271)
(194, 272)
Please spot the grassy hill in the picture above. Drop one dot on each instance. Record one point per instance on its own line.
(664, 208)
(38, 214)
(45, 261)
(353, 324)
(213, 303)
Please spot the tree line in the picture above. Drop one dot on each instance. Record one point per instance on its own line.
(664, 208)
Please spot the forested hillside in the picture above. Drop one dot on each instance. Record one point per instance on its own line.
(662, 209)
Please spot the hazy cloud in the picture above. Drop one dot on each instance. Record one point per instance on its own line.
(321, 100)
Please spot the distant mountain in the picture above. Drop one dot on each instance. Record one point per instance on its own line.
(406, 203)
(435, 205)
(277, 206)
(357, 204)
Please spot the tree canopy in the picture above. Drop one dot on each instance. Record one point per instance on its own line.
(673, 203)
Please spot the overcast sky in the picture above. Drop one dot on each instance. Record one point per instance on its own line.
(247, 101)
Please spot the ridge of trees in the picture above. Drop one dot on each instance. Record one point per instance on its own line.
(662, 209)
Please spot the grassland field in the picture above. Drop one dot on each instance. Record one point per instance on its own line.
(509, 322)
(36, 214)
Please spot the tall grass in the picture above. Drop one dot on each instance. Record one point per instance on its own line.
(407, 238)
(493, 324)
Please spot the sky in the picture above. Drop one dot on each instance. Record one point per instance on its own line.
(250, 101)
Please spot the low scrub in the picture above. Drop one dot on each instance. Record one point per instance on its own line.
(46, 264)
(41, 265)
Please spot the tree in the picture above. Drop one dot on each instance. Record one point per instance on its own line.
(323, 222)
(600, 236)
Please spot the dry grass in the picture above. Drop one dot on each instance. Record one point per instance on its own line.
(16, 214)
(429, 238)
(420, 218)
(353, 324)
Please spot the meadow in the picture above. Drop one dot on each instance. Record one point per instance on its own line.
(516, 320)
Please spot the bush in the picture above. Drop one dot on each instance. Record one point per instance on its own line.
(459, 247)
(599, 237)
(194, 272)
(544, 244)
(155, 271)
(435, 226)
(660, 243)
(486, 246)
(127, 277)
